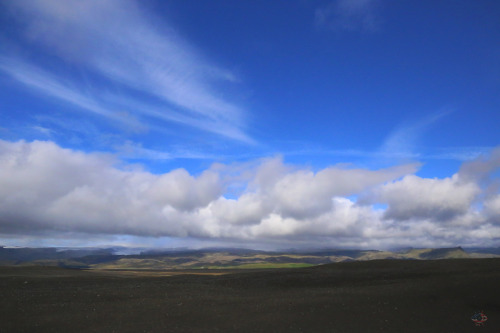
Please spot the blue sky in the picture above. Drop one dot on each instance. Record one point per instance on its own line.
(255, 123)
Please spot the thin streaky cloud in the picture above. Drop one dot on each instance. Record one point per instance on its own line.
(117, 41)
(349, 15)
(52, 86)
(111, 105)
(131, 150)
(460, 153)
(404, 139)
(49, 85)
(44, 130)
(159, 112)
(426, 153)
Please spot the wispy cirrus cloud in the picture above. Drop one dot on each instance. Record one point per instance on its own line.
(349, 15)
(53, 86)
(122, 48)
(404, 140)
(134, 151)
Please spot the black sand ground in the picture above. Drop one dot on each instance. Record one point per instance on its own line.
(374, 296)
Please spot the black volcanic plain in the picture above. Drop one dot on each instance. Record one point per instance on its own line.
(358, 296)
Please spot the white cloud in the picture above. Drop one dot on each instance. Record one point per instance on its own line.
(124, 44)
(482, 168)
(304, 193)
(47, 187)
(492, 209)
(343, 219)
(248, 209)
(416, 198)
(184, 192)
(46, 191)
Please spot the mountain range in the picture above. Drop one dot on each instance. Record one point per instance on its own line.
(217, 258)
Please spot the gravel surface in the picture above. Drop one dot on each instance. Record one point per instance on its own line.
(372, 296)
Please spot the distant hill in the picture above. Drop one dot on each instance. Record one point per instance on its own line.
(218, 258)
(433, 254)
(483, 252)
(19, 255)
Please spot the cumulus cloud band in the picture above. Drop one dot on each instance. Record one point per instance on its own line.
(44, 187)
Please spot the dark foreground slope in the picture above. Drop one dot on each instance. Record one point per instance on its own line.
(372, 296)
